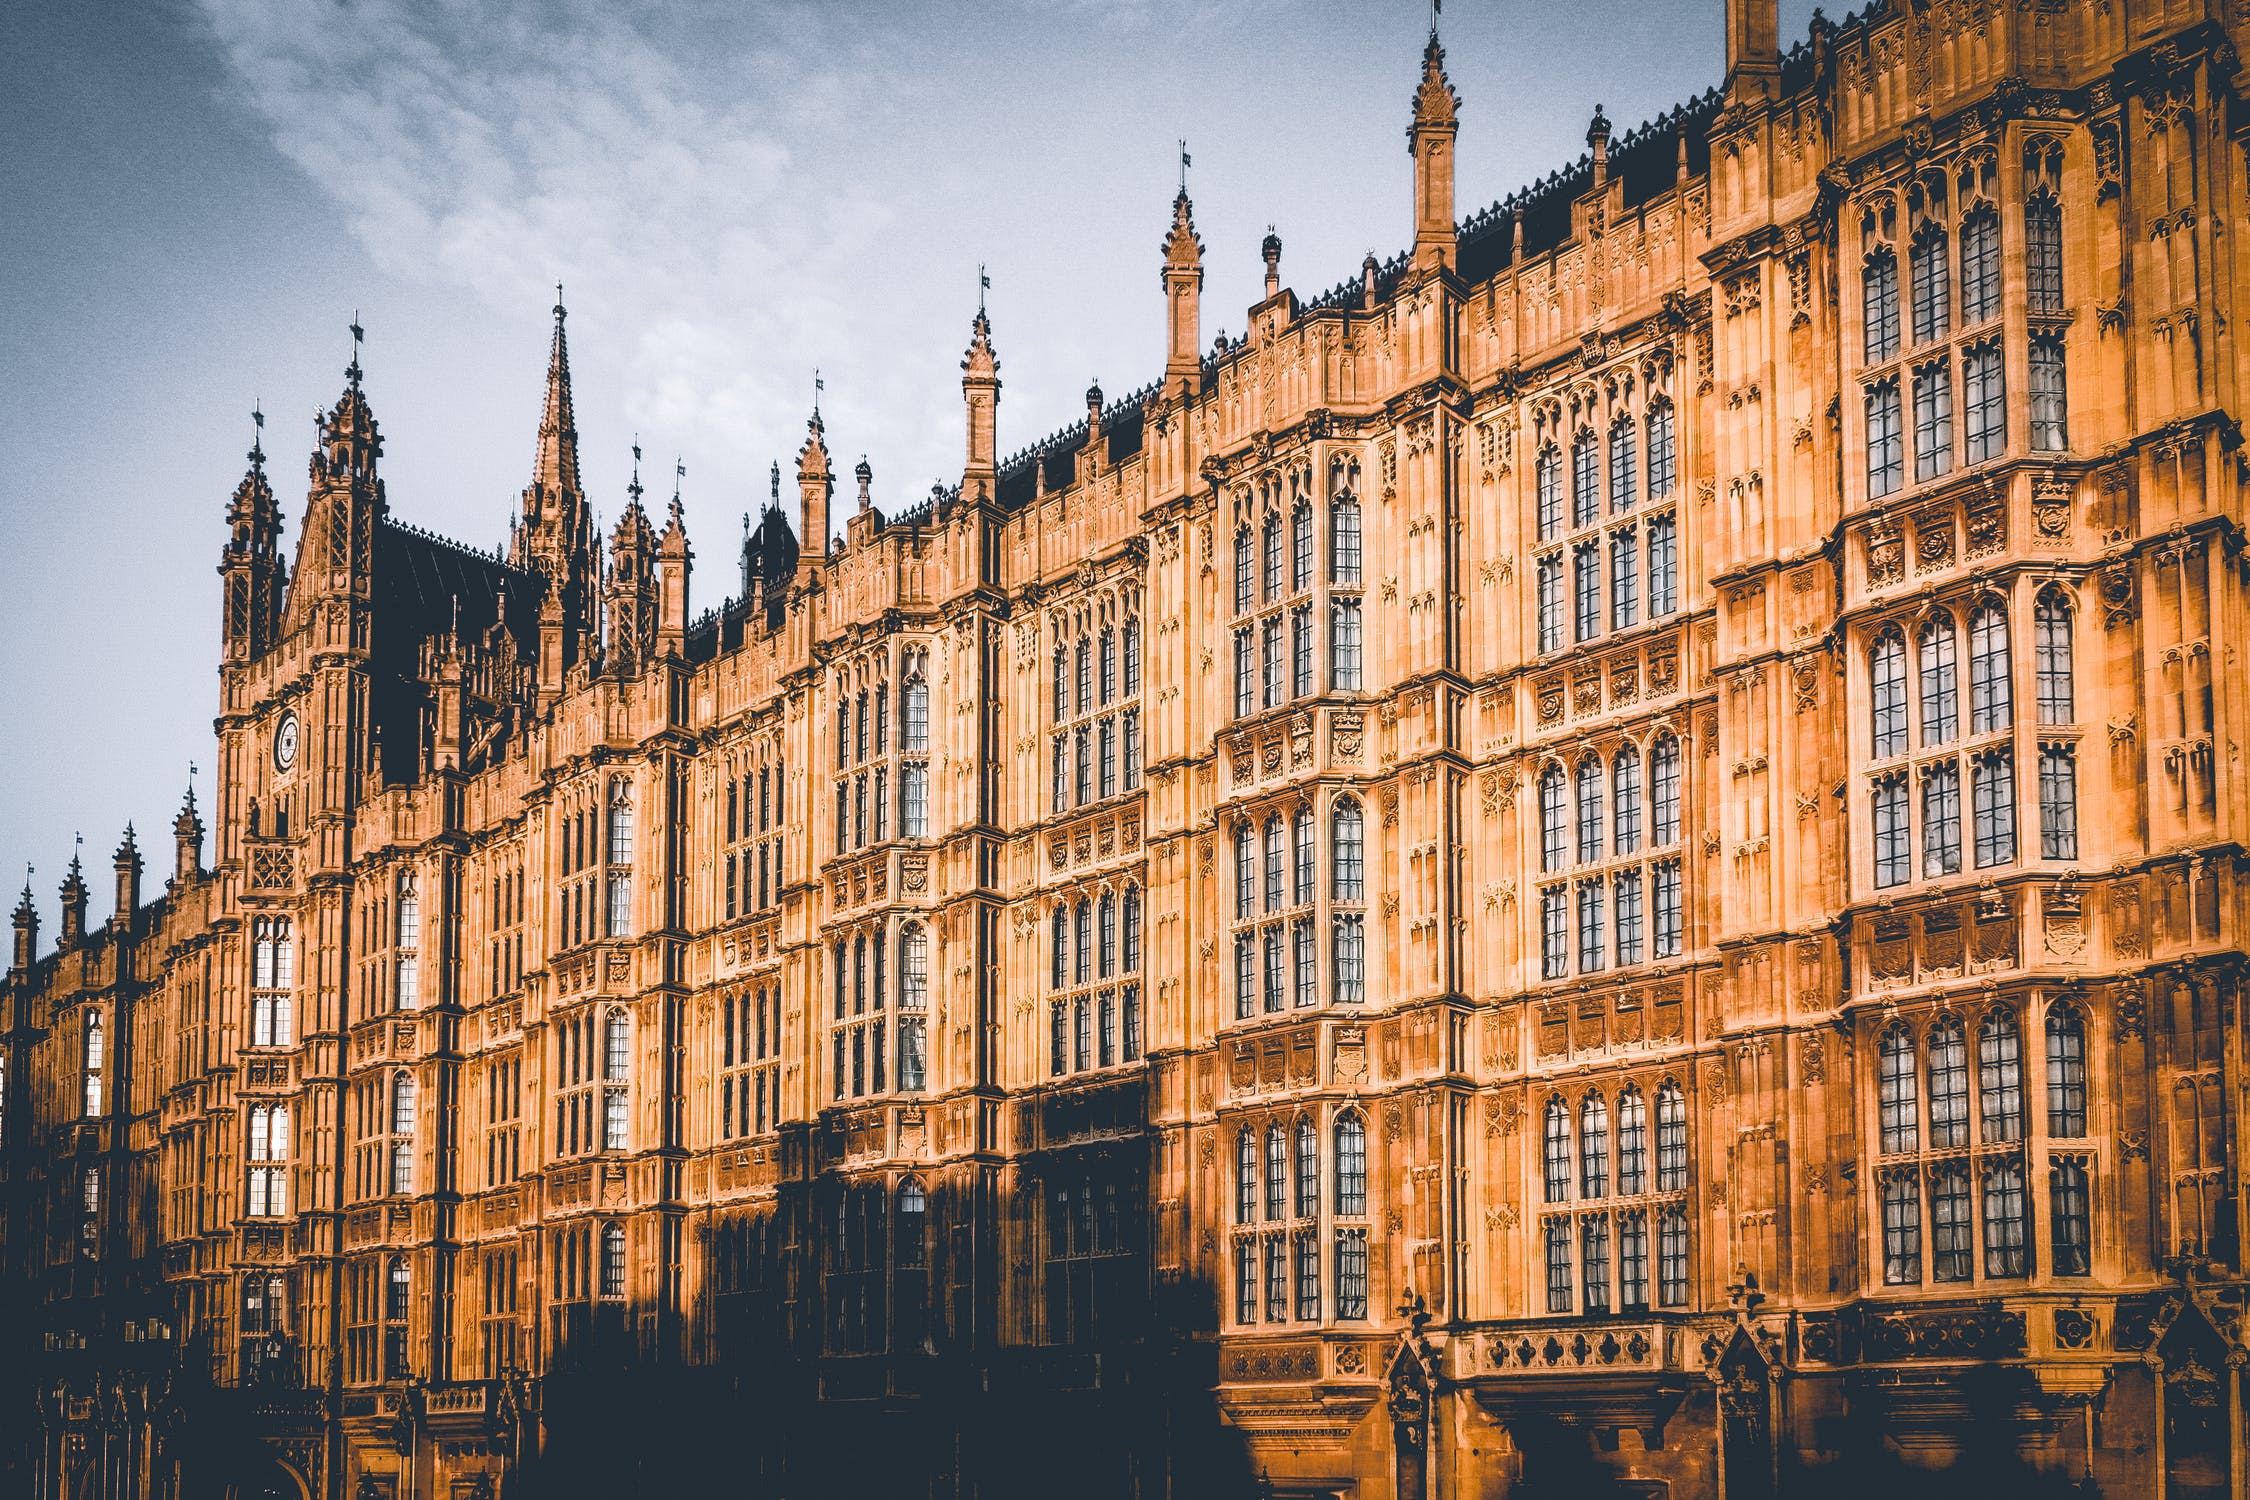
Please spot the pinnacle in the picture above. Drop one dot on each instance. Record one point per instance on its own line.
(556, 466)
(1435, 103)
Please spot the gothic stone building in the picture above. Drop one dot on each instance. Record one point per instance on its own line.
(1600, 862)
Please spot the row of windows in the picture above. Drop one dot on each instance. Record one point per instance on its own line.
(1588, 1286)
(1985, 428)
(1262, 574)
(1637, 934)
(750, 1062)
(755, 847)
(1267, 675)
(863, 720)
(1277, 1250)
(860, 1032)
(1980, 282)
(1620, 833)
(1087, 760)
(1585, 611)
(1591, 1161)
(1622, 480)
(863, 807)
(593, 1077)
(2006, 1221)
(1076, 666)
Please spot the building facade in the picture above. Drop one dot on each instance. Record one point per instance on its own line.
(1599, 862)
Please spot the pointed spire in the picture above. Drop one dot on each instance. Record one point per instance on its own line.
(1182, 279)
(27, 925)
(348, 434)
(1430, 140)
(1435, 103)
(980, 391)
(556, 464)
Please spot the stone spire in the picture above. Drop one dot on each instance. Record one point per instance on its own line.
(814, 484)
(980, 391)
(673, 560)
(1183, 290)
(1271, 250)
(1430, 139)
(27, 927)
(632, 582)
(187, 839)
(251, 562)
(73, 902)
(126, 862)
(1597, 141)
(336, 548)
(554, 535)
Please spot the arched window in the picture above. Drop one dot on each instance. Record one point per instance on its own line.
(1878, 291)
(1082, 940)
(1308, 1170)
(1991, 707)
(1664, 791)
(913, 1240)
(1343, 540)
(1554, 819)
(1593, 1147)
(1941, 682)
(1948, 1067)
(1132, 928)
(1550, 492)
(1245, 571)
(1277, 862)
(1351, 1166)
(1632, 1144)
(398, 1308)
(2000, 1078)
(1061, 949)
(1245, 871)
(1109, 934)
(1671, 1139)
(1897, 1093)
(1300, 545)
(1663, 463)
(1270, 534)
(1062, 686)
(1132, 656)
(1277, 1172)
(1585, 479)
(617, 1047)
(1307, 856)
(93, 1060)
(1589, 810)
(620, 821)
(1555, 1152)
(1245, 1177)
(2050, 395)
(1108, 664)
(269, 1155)
(613, 1262)
(2066, 1072)
(917, 715)
(913, 1002)
(1623, 481)
(402, 1132)
(1346, 868)
(1886, 670)
(1933, 303)
(1625, 800)
(2051, 645)
(407, 961)
(1980, 267)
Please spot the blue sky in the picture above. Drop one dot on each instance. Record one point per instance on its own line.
(203, 192)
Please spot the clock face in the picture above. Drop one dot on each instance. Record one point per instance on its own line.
(285, 742)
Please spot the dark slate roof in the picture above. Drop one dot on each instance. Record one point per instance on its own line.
(419, 578)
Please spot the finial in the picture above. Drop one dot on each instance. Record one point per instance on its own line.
(984, 284)
(1271, 249)
(359, 336)
(1185, 162)
(865, 475)
(1094, 396)
(775, 503)
(818, 385)
(559, 314)
(633, 487)
(257, 434)
(679, 472)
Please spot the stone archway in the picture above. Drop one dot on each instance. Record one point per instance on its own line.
(267, 1479)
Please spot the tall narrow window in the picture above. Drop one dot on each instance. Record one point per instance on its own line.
(1984, 395)
(1343, 540)
(1108, 665)
(613, 1262)
(1999, 1079)
(1300, 545)
(1558, 1265)
(1663, 463)
(1245, 1177)
(1886, 447)
(1671, 1140)
(1549, 493)
(1351, 1273)
(1667, 917)
(406, 960)
(402, 1133)
(1664, 791)
(1585, 479)
(1632, 1144)
(1992, 779)
(1952, 1237)
(1343, 645)
(1592, 949)
(1245, 673)
(1625, 800)
(917, 717)
(1300, 652)
(2071, 1208)
(620, 876)
(1933, 302)
(1556, 1152)
(1132, 657)
(269, 1158)
(1892, 841)
(2058, 802)
(1623, 478)
(1887, 679)
(2043, 255)
(1624, 581)
(1550, 603)
(1277, 1173)
(1902, 1228)
(1991, 703)
(1878, 293)
(1589, 810)
(1245, 572)
(2052, 647)
(1949, 1086)
(1586, 587)
(1554, 824)
(1980, 267)
(1593, 1261)
(1305, 856)
(93, 1063)
(1347, 847)
(1896, 1092)
(2050, 395)
(1554, 932)
(1933, 420)
(1663, 566)
(1941, 819)
(2066, 1073)
(617, 1068)
(1672, 1257)
(2007, 1229)
(1593, 1147)
(1627, 886)
(1270, 535)
(1941, 682)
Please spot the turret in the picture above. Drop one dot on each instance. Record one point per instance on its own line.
(336, 549)
(1094, 456)
(187, 842)
(1183, 292)
(127, 864)
(1430, 139)
(980, 391)
(73, 904)
(814, 484)
(251, 562)
(673, 560)
(1597, 141)
(27, 928)
(554, 534)
(1753, 49)
(1271, 250)
(632, 583)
